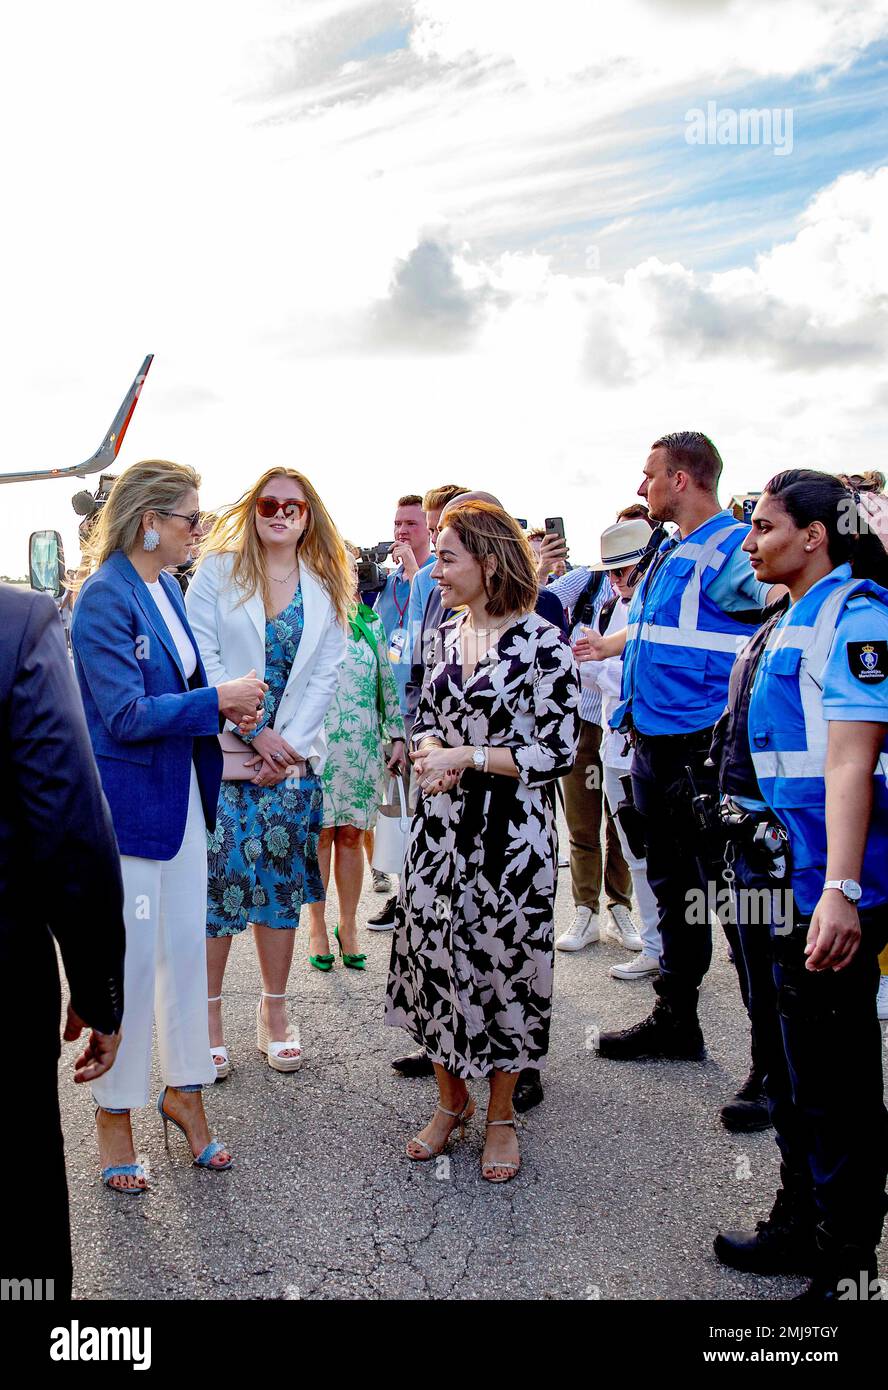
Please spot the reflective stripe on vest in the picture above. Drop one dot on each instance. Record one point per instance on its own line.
(683, 637)
(815, 642)
(676, 668)
(786, 707)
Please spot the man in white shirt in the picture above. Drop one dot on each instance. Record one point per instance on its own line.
(622, 546)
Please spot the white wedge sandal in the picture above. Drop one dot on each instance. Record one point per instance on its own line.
(273, 1050)
(221, 1060)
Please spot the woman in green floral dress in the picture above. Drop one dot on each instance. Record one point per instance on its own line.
(363, 716)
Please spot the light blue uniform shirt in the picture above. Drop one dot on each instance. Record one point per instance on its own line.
(395, 599)
(736, 588)
(788, 722)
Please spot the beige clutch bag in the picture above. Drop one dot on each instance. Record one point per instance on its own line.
(237, 758)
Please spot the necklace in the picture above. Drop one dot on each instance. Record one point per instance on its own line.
(490, 633)
(487, 631)
(286, 576)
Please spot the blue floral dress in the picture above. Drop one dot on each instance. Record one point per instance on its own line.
(263, 854)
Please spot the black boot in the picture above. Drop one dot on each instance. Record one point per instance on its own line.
(748, 1111)
(670, 1031)
(843, 1273)
(385, 917)
(414, 1064)
(528, 1090)
(781, 1244)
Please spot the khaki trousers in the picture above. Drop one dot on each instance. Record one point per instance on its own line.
(583, 803)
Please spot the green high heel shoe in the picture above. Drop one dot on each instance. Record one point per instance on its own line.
(352, 961)
(321, 962)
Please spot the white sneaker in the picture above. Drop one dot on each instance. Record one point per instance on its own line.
(584, 931)
(382, 883)
(638, 968)
(882, 999)
(622, 928)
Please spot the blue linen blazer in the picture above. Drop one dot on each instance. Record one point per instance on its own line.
(146, 722)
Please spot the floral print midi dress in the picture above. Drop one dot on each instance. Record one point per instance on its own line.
(263, 854)
(356, 729)
(472, 955)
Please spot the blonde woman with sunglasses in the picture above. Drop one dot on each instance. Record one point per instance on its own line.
(274, 580)
(153, 719)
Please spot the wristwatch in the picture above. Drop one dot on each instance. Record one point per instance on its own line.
(479, 760)
(848, 887)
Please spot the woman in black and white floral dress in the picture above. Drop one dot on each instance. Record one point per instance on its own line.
(497, 723)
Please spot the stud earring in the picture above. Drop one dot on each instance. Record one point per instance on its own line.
(151, 539)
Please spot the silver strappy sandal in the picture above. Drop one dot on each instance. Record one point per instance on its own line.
(487, 1169)
(459, 1116)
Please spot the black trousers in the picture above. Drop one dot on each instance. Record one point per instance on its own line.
(821, 1047)
(35, 1236)
(679, 868)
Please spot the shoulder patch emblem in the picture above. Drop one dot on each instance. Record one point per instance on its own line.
(868, 661)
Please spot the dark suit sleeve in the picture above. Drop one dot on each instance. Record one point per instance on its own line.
(74, 865)
(548, 606)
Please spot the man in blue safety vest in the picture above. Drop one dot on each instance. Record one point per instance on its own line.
(689, 616)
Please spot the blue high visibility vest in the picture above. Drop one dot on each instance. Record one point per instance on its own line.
(680, 645)
(808, 660)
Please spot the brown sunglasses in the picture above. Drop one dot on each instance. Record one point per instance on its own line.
(270, 506)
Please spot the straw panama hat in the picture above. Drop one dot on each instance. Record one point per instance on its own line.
(624, 543)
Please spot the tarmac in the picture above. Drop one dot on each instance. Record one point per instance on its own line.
(626, 1171)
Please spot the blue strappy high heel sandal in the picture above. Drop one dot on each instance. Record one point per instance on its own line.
(205, 1157)
(123, 1170)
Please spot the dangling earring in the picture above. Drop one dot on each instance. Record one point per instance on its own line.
(151, 539)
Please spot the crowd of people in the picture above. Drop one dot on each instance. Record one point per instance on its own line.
(707, 703)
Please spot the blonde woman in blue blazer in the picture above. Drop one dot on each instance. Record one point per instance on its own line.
(154, 719)
(273, 589)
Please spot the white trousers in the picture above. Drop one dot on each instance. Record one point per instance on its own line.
(165, 972)
(648, 910)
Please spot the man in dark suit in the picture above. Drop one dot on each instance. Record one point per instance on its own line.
(59, 878)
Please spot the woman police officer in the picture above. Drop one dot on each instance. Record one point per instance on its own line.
(803, 758)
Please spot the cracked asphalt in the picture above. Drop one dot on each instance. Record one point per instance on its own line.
(626, 1172)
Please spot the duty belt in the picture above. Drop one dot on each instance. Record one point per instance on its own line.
(757, 828)
(699, 738)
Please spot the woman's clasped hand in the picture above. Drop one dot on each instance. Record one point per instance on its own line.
(434, 769)
(278, 759)
(241, 700)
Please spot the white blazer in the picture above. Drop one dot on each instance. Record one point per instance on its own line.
(231, 638)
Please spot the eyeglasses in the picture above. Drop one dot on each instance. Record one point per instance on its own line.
(270, 506)
(193, 518)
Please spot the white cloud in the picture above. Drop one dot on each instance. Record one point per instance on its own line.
(650, 40)
(220, 184)
(429, 307)
(817, 301)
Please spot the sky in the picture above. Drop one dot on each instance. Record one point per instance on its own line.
(399, 244)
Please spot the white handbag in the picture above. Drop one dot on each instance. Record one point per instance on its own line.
(392, 830)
